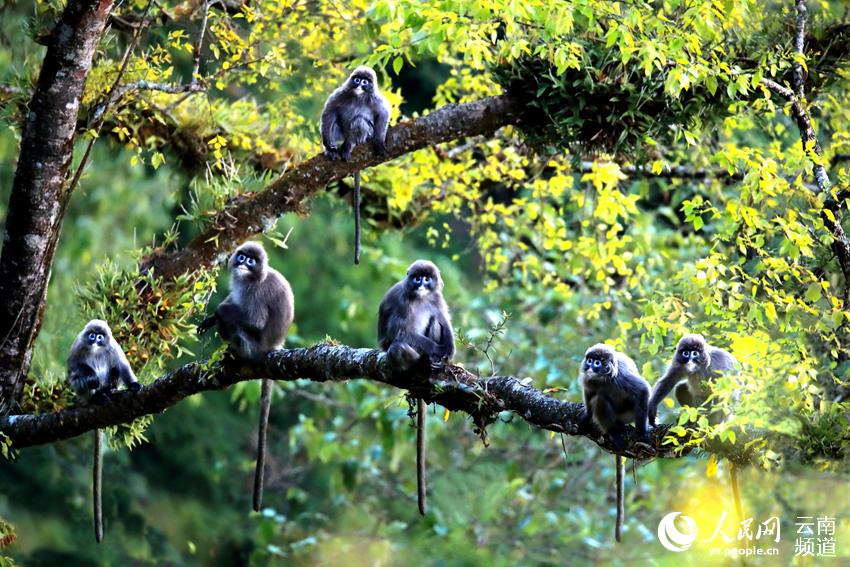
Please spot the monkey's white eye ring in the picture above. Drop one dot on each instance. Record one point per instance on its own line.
(92, 336)
(250, 261)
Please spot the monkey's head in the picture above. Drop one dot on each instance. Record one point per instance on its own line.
(692, 352)
(422, 279)
(362, 81)
(96, 334)
(248, 263)
(599, 361)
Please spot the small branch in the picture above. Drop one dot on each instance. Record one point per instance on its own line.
(123, 90)
(453, 387)
(247, 215)
(799, 46)
(196, 55)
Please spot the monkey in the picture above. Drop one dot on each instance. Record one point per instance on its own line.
(614, 394)
(95, 365)
(695, 365)
(355, 113)
(255, 318)
(414, 328)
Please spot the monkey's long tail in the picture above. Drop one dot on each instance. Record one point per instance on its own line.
(259, 472)
(621, 508)
(356, 205)
(421, 480)
(736, 492)
(97, 483)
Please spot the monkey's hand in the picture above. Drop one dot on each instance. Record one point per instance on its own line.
(380, 148)
(584, 420)
(438, 362)
(101, 397)
(134, 387)
(206, 324)
(344, 154)
(92, 382)
(651, 415)
(331, 153)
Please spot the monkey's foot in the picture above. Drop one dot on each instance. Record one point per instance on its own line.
(134, 387)
(380, 150)
(332, 155)
(101, 397)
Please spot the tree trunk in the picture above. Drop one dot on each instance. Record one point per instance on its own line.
(38, 200)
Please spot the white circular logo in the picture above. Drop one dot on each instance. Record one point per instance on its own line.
(670, 536)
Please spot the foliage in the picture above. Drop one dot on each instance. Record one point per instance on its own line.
(655, 187)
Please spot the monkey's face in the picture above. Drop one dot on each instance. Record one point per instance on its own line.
(421, 284)
(598, 361)
(248, 262)
(691, 353)
(96, 336)
(361, 83)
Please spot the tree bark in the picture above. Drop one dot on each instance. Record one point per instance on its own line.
(452, 387)
(38, 201)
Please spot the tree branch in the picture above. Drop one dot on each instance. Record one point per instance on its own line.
(251, 214)
(453, 387)
(37, 203)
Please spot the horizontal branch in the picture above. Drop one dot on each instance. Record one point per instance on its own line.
(453, 388)
(248, 215)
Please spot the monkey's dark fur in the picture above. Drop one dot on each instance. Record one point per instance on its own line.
(95, 365)
(414, 328)
(255, 318)
(355, 113)
(695, 364)
(615, 394)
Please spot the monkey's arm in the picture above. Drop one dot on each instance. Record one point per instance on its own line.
(586, 416)
(83, 379)
(206, 324)
(671, 377)
(128, 378)
(446, 339)
(331, 130)
(382, 122)
(721, 360)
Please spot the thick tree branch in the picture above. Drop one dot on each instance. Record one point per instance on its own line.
(453, 387)
(38, 201)
(251, 214)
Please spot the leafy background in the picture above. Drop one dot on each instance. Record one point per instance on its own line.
(549, 224)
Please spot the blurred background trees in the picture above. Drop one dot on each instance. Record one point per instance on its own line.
(656, 185)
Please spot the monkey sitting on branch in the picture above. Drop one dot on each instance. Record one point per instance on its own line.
(95, 365)
(615, 395)
(355, 113)
(255, 318)
(415, 329)
(694, 367)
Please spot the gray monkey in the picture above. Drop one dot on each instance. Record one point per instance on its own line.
(255, 318)
(355, 113)
(95, 365)
(695, 364)
(415, 329)
(615, 394)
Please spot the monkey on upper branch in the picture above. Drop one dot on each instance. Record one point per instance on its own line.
(415, 329)
(694, 366)
(355, 113)
(96, 363)
(615, 395)
(255, 318)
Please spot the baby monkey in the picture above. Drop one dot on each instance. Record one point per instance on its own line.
(695, 364)
(95, 365)
(355, 113)
(615, 394)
